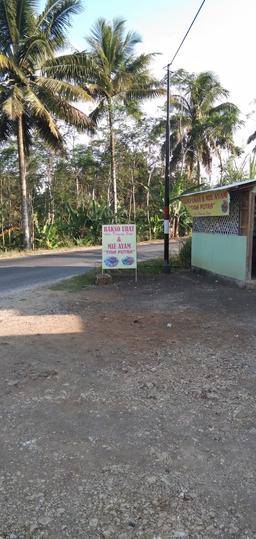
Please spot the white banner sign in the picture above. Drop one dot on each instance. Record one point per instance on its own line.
(119, 249)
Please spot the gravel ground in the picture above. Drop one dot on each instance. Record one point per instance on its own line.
(129, 411)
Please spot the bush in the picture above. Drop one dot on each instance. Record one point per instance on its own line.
(185, 253)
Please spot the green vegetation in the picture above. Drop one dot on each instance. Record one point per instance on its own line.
(30, 98)
(185, 253)
(58, 191)
(202, 124)
(145, 268)
(78, 282)
(117, 76)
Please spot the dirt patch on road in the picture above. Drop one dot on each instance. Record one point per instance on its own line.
(129, 412)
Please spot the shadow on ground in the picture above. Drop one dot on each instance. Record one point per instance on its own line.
(129, 411)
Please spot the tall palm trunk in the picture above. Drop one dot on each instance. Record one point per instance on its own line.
(23, 182)
(148, 201)
(112, 156)
(133, 198)
(50, 175)
(221, 165)
(9, 211)
(198, 172)
(109, 192)
(2, 214)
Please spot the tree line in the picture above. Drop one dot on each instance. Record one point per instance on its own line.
(56, 190)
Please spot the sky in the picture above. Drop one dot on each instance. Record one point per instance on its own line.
(222, 39)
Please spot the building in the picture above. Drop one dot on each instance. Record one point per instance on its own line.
(224, 230)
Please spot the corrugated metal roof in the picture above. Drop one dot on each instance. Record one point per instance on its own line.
(228, 187)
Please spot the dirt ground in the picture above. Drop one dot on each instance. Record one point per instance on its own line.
(129, 411)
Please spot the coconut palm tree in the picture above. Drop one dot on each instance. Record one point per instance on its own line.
(30, 98)
(118, 76)
(251, 138)
(201, 125)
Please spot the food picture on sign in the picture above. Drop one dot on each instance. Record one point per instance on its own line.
(111, 261)
(128, 261)
(224, 206)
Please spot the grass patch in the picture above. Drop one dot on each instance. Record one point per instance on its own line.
(76, 283)
(147, 267)
(154, 266)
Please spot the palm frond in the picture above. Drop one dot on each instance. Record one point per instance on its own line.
(25, 17)
(46, 134)
(7, 127)
(39, 110)
(13, 106)
(65, 111)
(107, 43)
(64, 89)
(34, 51)
(69, 67)
(251, 137)
(223, 108)
(98, 112)
(139, 64)
(97, 32)
(180, 104)
(117, 26)
(8, 27)
(147, 92)
(56, 19)
(130, 41)
(132, 107)
(7, 66)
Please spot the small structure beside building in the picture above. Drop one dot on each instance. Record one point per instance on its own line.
(224, 230)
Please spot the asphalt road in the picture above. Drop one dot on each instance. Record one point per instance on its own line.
(33, 271)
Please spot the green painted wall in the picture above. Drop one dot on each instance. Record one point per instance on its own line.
(220, 253)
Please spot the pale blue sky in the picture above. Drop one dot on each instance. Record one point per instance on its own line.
(222, 39)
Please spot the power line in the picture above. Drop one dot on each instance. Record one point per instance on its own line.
(186, 34)
(166, 266)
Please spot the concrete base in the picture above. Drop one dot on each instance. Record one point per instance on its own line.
(103, 279)
(251, 284)
(221, 278)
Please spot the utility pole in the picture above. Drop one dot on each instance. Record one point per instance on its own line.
(166, 266)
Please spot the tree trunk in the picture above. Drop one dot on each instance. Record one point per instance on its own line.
(2, 214)
(147, 202)
(51, 210)
(94, 189)
(112, 157)
(9, 212)
(77, 193)
(134, 199)
(177, 223)
(221, 166)
(32, 220)
(198, 173)
(108, 195)
(176, 227)
(23, 182)
(130, 208)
